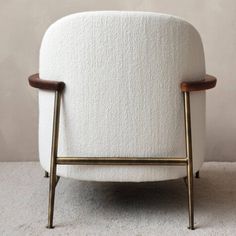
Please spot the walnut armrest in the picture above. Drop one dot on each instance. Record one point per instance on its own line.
(36, 82)
(208, 83)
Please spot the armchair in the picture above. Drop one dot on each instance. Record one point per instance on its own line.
(121, 98)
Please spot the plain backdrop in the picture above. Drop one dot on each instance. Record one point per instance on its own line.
(23, 23)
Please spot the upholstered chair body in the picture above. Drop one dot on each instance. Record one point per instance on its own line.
(122, 98)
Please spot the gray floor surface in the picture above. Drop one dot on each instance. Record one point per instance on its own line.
(90, 208)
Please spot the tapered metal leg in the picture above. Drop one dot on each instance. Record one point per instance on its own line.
(188, 136)
(53, 167)
(197, 175)
(46, 175)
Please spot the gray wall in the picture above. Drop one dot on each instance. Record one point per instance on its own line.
(23, 23)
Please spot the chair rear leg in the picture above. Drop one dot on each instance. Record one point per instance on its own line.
(197, 175)
(185, 179)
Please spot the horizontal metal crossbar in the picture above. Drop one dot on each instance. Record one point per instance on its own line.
(122, 160)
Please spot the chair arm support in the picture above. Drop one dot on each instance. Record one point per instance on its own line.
(36, 82)
(208, 83)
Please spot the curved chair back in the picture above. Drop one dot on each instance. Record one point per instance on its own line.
(122, 72)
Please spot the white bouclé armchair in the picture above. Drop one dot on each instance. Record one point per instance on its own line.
(115, 94)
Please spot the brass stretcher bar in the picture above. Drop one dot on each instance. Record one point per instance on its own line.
(121, 161)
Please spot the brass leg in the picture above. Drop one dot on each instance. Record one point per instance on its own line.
(46, 175)
(53, 167)
(197, 175)
(188, 136)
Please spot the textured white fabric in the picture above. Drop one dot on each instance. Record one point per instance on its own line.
(122, 72)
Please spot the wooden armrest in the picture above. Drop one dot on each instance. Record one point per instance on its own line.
(36, 82)
(208, 83)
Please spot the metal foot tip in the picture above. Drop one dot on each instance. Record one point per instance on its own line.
(191, 228)
(50, 227)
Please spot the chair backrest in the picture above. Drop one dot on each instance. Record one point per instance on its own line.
(122, 72)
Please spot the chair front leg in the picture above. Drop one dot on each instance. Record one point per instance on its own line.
(53, 166)
(188, 137)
